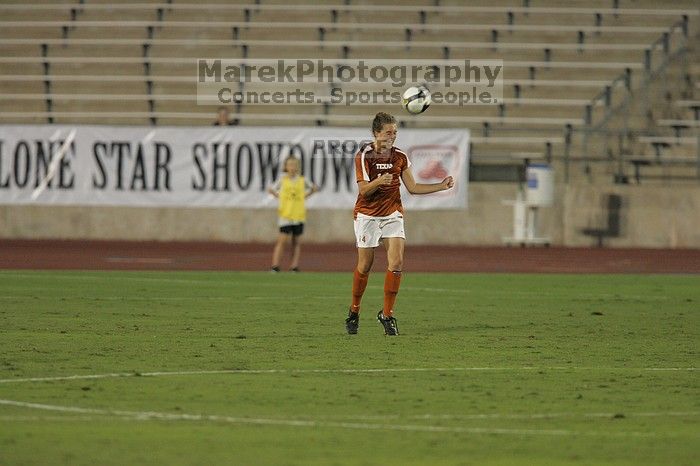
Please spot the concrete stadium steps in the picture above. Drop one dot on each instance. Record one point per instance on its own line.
(436, 53)
(561, 74)
(20, 50)
(497, 148)
(105, 120)
(550, 115)
(551, 92)
(355, 50)
(192, 50)
(322, 13)
(398, 35)
(30, 14)
(90, 32)
(673, 150)
(167, 121)
(186, 85)
(15, 68)
(668, 172)
(613, 56)
(99, 88)
(568, 36)
(396, 52)
(603, 5)
(585, 171)
(186, 107)
(195, 34)
(19, 31)
(191, 86)
(98, 69)
(96, 50)
(535, 112)
(196, 53)
(510, 131)
(573, 111)
(99, 105)
(192, 107)
(35, 119)
(685, 113)
(544, 107)
(623, 4)
(112, 2)
(238, 15)
(10, 105)
(589, 19)
(117, 14)
(22, 87)
(183, 66)
(183, 88)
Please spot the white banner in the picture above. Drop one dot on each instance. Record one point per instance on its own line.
(209, 167)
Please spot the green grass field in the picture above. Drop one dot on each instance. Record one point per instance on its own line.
(255, 368)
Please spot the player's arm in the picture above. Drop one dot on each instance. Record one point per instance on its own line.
(367, 188)
(275, 189)
(310, 188)
(424, 188)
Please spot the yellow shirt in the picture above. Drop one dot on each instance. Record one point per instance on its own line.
(292, 193)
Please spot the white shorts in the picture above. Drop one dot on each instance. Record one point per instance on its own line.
(370, 230)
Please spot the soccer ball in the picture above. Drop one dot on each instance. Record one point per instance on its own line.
(416, 99)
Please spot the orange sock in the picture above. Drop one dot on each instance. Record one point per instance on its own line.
(392, 280)
(359, 283)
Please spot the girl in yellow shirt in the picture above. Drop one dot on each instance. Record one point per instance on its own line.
(291, 190)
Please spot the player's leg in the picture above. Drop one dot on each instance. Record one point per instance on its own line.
(393, 239)
(392, 279)
(282, 238)
(365, 258)
(367, 234)
(296, 248)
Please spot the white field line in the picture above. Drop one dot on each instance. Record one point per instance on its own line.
(375, 417)
(208, 280)
(160, 416)
(554, 415)
(48, 418)
(408, 289)
(338, 371)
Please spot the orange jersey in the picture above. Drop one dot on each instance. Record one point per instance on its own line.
(368, 166)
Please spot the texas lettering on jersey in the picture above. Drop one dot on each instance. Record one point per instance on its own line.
(368, 166)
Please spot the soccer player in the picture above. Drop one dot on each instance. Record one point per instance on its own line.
(380, 167)
(291, 190)
(223, 118)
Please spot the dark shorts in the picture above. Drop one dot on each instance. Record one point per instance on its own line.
(294, 230)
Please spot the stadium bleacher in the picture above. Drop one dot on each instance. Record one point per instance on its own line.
(133, 63)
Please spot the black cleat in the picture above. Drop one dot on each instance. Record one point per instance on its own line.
(389, 324)
(352, 322)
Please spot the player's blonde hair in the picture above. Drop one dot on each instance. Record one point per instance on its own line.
(381, 119)
(291, 157)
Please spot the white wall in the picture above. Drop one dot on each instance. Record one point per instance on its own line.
(653, 216)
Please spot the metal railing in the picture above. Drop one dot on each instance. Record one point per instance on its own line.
(615, 98)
